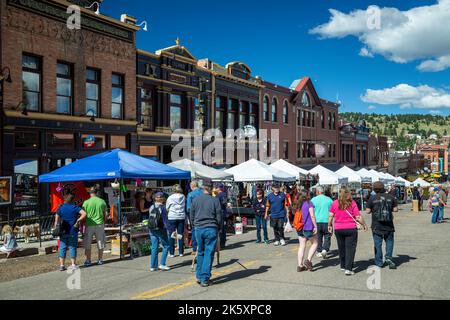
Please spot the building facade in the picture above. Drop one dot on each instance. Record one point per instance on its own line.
(72, 94)
(437, 155)
(354, 144)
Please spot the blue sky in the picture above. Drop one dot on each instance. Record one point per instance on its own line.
(273, 38)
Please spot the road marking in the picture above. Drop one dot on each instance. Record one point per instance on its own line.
(161, 291)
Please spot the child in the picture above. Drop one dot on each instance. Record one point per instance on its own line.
(158, 226)
(9, 242)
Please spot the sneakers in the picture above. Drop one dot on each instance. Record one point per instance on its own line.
(391, 264)
(324, 254)
(100, 262)
(342, 269)
(266, 241)
(276, 243)
(164, 268)
(181, 255)
(172, 256)
(258, 241)
(349, 273)
(74, 267)
(152, 269)
(283, 243)
(62, 268)
(318, 255)
(87, 263)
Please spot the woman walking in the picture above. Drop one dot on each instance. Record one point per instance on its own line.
(176, 211)
(308, 232)
(158, 224)
(345, 215)
(71, 216)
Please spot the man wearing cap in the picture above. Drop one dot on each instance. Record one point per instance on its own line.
(96, 210)
(382, 206)
(223, 198)
(206, 217)
(276, 205)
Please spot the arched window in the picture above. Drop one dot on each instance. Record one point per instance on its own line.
(285, 112)
(274, 110)
(305, 100)
(266, 109)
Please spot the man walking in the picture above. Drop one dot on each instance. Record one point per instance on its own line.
(443, 197)
(206, 217)
(322, 205)
(223, 199)
(196, 191)
(276, 205)
(96, 211)
(382, 207)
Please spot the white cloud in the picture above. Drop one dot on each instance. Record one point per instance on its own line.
(435, 112)
(418, 34)
(407, 96)
(364, 52)
(371, 107)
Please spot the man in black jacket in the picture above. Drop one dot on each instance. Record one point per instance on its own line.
(206, 217)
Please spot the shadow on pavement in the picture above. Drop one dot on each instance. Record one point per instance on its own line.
(237, 275)
(237, 245)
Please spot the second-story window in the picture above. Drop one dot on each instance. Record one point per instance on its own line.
(253, 114)
(329, 120)
(231, 115)
(92, 92)
(175, 111)
(147, 108)
(31, 81)
(220, 111)
(333, 121)
(117, 96)
(285, 112)
(243, 112)
(266, 109)
(274, 110)
(64, 81)
(322, 119)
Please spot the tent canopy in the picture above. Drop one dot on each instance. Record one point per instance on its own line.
(289, 168)
(366, 174)
(114, 164)
(257, 171)
(199, 170)
(386, 178)
(422, 183)
(351, 175)
(327, 177)
(403, 182)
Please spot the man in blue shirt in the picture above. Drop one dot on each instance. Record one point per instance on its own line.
(322, 205)
(196, 191)
(276, 205)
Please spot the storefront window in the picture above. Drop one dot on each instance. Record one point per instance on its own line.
(60, 141)
(93, 142)
(25, 187)
(26, 140)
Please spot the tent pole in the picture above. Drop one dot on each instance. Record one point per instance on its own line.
(119, 198)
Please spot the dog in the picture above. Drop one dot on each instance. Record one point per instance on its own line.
(194, 259)
(27, 231)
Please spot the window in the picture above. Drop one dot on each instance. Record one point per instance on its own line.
(299, 118)
(31, 81)
(329, 150)
(266, 109)
(147, 108)
(305, 100)
(308, 119)
(334, 121)
(92, 92)
(334, 151)
(231, 115)
(60, 141)
(175, 112)
(299, 150)
(117, 96)
(285, 112)
(220, 111)
(286, 150)
(26, 140)
(244, 110)
(64, 80)
(253, 114)
(274, 110)
(329, 120)
(322, 119)
(313, 119)
(303, 119)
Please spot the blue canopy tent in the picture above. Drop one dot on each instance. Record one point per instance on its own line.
(115, 164)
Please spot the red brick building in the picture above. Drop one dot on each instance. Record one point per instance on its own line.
(307, 124)
(73, 91)
(437, 155)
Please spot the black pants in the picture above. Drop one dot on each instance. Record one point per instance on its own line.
(347, 239)
(324, 237)
(278, 228)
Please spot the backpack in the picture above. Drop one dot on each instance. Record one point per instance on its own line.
(155, 219)
(384, 212)
(298, 221)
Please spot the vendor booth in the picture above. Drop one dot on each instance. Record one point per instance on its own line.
(116, 165)
(328, 177)
(200, 171)
(285, 166)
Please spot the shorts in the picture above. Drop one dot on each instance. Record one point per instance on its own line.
(306, 234)
(99, 231)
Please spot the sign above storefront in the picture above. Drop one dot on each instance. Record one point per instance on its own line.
(89, 142)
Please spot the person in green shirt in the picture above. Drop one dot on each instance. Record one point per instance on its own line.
(96, 210)
(322, 205)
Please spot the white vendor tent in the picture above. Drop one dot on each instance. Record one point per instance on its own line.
(367, 175)
(351, 175)
(199, 170)
(327, 177)
(383, 177)
(289, 168)
(403, 182)
(257, 171)
(422, 183)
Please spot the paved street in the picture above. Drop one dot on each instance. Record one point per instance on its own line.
(251, 271)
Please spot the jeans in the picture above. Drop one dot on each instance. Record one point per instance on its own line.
(278, 228)
(435, 216)
(378, 241)
(177, 225)
(194, 240)
(324, 237)
(158, 237)
(261, 223)
(68, 241)
(441, 214)
(206, 247)
(347, 239)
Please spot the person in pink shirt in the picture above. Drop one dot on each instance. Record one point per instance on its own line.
(344, 216)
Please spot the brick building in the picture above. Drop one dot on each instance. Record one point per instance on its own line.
(354, 144)
(73, 91)
(437, 155)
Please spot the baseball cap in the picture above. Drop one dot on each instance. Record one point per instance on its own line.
(159, 195)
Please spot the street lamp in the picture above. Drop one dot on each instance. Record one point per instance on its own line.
(97, 8)
(91, 114)
(143, 23)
